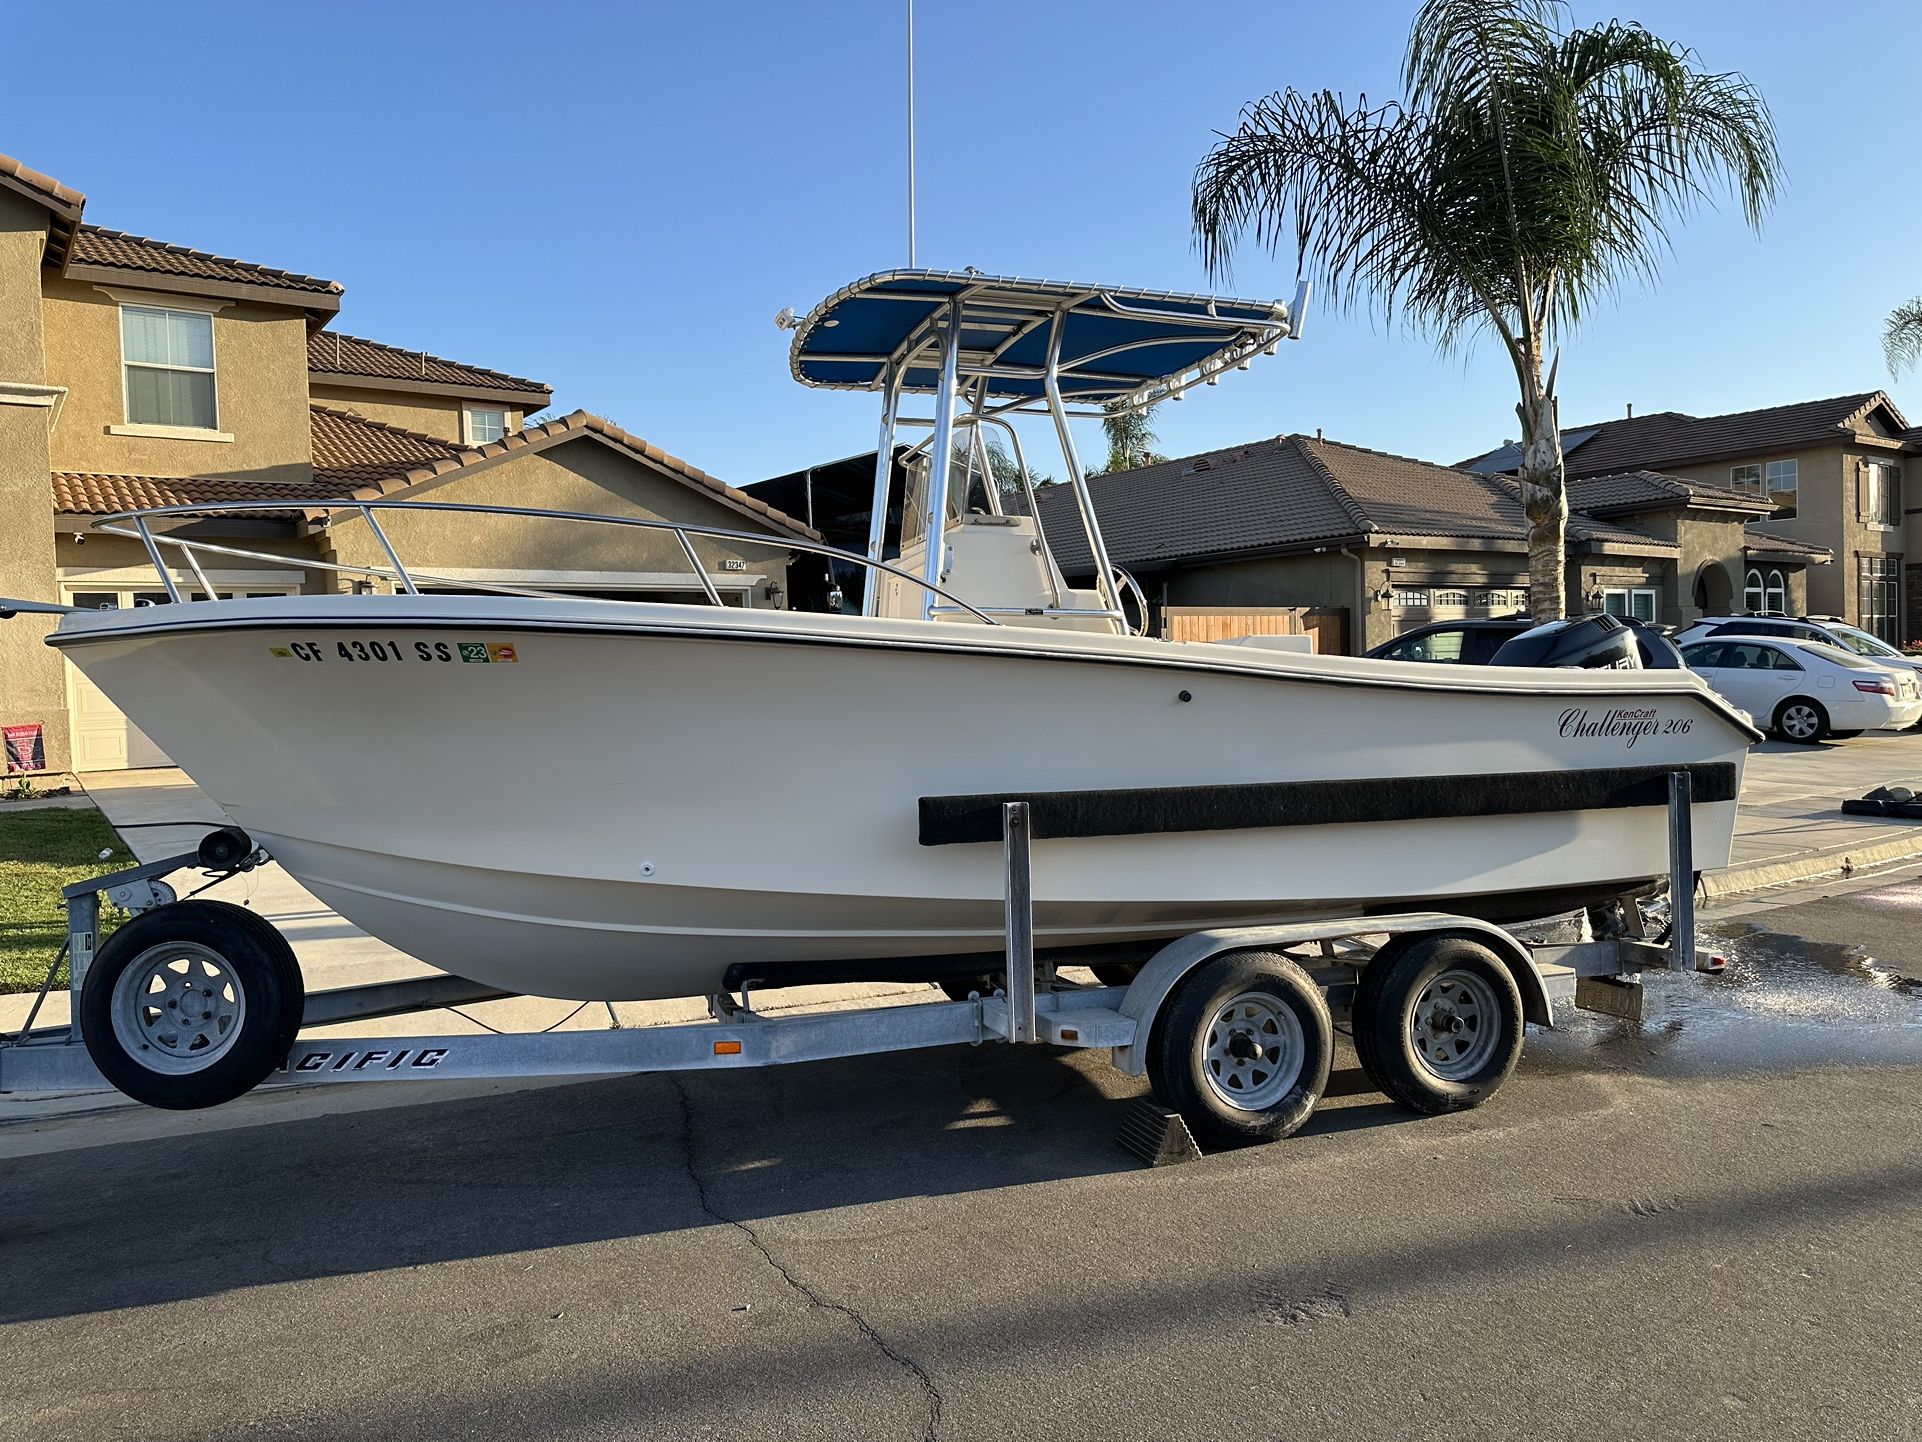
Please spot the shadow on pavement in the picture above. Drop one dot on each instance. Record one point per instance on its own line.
(88, 1229)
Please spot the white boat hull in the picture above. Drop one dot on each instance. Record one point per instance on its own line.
(644, 796)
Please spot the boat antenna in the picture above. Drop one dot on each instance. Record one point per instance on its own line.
(910, 134)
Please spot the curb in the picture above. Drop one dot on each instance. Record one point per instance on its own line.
(1732, 881)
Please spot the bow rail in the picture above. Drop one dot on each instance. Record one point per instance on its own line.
(138, 525)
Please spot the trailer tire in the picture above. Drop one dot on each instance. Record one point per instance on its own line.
(1437, 1023)
(223, 959)
(1242, 1048)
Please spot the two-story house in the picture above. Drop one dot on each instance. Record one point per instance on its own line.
(1829, 473)
(134, 373)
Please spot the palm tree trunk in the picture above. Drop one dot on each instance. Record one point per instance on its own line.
(1544, 495)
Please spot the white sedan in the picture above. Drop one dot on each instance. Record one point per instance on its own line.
(1806, 690)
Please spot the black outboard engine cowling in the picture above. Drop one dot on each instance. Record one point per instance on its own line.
(1586, 642)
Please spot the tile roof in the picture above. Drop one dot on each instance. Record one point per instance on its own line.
(373, 459)
(120, 251)
(330, 352)
(360, 459)
(1294, 491)
(64, 204)
(85, 494)
(1765, 538)
(1665, 438)
(44, 186)
(352, 453)
(1650, 490)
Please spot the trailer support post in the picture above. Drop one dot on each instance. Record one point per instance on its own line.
(1019, 916)
(1681, 872)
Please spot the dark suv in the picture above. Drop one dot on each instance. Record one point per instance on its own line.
(1464, 643)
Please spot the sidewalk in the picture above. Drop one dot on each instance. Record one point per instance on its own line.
(1789, 829)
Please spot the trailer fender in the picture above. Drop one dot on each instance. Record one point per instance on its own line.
(1170, 966)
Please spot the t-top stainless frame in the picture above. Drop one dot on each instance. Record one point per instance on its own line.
(969, 378)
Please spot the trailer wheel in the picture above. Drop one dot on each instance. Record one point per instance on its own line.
(192, 1004)
(1242, 1049)
(1438, 1023)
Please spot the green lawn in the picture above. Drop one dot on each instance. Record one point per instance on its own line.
(40, 852)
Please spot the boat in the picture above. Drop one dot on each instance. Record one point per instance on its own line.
(741, 797)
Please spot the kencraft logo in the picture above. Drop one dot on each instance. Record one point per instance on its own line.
(1621, 723)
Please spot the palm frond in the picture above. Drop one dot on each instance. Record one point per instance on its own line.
(1902, 336)
(1529, 172)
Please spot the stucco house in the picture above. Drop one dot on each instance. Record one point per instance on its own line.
(1829, 475)
(136, 373)
(1384, 543)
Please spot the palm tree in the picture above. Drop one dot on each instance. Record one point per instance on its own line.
(1130, 434)
(1902, 336)
(1530, 170)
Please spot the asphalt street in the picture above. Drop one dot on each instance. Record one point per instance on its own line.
(1706, 1225)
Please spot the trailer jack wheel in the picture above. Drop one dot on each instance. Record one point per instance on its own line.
(192, 1004)
(1438, 1023)
(1242, 1049)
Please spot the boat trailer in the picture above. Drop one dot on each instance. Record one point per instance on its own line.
(1232, 1026)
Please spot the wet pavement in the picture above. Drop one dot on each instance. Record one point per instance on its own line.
(1704, 1225)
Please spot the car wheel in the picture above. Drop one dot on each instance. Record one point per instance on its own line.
(1801, 720)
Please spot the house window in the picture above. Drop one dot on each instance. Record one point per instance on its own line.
(1879, 494)
(1877, 597)
(1411, 595)
(1636, 601)
(1782, 478)
(481, 425)
(1746, 478)
(1450, 598)
(169, 360)
(1766, 593)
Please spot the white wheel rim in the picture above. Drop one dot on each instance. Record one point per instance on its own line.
(1252, 1051)
(177, 1008)
(1455, 1025)
(1799, 722)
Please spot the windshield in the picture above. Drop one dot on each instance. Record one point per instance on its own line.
(1862, 643)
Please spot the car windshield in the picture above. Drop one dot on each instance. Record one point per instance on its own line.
(1862, 643)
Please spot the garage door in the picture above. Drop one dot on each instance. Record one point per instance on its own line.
(102, 737)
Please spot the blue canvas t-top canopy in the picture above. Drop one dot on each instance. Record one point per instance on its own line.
(1106, 342)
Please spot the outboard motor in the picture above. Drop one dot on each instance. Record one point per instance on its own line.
(1658, 652)
(1586, 642)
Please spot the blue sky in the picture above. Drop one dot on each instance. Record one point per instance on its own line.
(617, 198)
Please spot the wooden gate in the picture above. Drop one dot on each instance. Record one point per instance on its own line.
(1328, 625)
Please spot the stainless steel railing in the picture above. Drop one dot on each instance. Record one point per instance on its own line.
(137, 525)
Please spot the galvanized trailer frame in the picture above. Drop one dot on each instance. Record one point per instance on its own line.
(1036, 1006)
